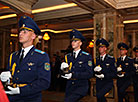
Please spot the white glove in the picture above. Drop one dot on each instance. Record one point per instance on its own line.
(119, 69)
(5, 76)
(13, 90)
(99, 76)
(97, 69)
(122, 75)
(64, 65)
(67, 76)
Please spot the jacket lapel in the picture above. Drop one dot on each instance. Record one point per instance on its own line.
(78, 57)
(28, 56)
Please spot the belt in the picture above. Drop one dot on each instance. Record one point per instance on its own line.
(73, 79)
(19, 85)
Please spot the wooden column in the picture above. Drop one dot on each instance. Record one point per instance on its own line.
(109, 25)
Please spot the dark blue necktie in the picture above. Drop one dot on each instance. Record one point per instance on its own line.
(21, 56)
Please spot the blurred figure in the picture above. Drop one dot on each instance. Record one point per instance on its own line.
(104, 71)
(77, 69)
(135, 76)
(124, 71)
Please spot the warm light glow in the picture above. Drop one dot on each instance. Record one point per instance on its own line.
(91, 44)
(8, 16)
(10, 43)
(42, 9)
(54, 8)
(63, 31)
(14, 35)
(46, 36)
(4, 7)
(130, 21)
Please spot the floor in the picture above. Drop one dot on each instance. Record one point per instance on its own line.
(54, 96)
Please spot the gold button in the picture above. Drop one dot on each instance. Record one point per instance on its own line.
(18, 71)
(17, 78)
(29, 69)
(72, 82)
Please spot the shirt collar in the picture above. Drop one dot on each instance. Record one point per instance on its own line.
(77, 52)
(103, 56)
(26, 50)
(123, 57)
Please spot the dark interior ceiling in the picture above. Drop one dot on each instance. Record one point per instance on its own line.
(60, 23)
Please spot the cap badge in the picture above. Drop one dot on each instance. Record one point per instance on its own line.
(23, 25)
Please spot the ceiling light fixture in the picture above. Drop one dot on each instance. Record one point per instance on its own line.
(54, 8)
(43, 9)
(130, 21)
(8, 16)
(64, 31)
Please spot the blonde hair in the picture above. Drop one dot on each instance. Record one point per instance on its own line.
(36, 40)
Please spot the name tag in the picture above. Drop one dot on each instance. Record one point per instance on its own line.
(80, 62)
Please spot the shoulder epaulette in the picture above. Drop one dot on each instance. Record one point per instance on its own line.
(39, 51)
(110, 56)
(85, 53)
(129, 57)
(16, 52)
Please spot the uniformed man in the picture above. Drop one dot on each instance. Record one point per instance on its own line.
(79, 64)
(29, 67)
(135, 77)
(124, 69)
(104, 71)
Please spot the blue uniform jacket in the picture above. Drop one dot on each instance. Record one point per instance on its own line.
(109, 70)
(33, 71)
(135, 74)
(128, 69)
(81, 67)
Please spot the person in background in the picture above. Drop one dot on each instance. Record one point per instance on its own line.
(104, 71)
(124, 71)
(79, 64)
(29, 68)
(135, 76)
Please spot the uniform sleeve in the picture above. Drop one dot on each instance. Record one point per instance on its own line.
(112, 71)
(43, 80)
(88, 73)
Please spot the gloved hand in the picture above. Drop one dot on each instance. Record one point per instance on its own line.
(122, 75)
(99, 76)
(119, 69)
(97, 69)
(64, 65)
(13, 90)
(67, 76)
(5, 76)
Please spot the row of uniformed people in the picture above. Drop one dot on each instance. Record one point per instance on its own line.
(29, 68)
(106, 68)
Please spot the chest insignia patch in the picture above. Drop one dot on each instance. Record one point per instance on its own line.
(47, 66)
(90, 63)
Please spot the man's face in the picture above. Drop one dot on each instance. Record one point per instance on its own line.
(123, 52)
(102, 49)
(136, 54)
(76, 44)
(26, 36)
